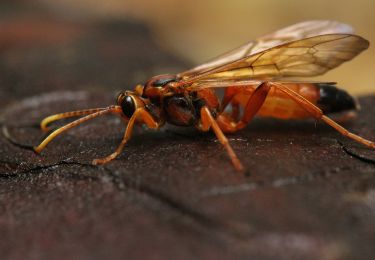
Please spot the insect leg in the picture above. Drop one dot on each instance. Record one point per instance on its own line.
(318, 114)
(253, 105)
(230, 93)
(139, 113)
(46, 121)
(49, 138)
(209, 122)
(235, 111)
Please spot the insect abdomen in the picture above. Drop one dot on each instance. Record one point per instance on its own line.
(335, 100)
(278, 105)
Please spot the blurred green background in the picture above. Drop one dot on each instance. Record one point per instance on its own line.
(200, 30)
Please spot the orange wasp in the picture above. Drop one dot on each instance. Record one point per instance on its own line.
(255, 78)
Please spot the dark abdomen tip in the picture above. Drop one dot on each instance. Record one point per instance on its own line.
(335, 100)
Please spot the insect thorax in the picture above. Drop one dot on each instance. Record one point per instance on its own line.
(183, 109)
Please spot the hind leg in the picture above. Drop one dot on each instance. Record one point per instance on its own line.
(318, 114)
(230, 124)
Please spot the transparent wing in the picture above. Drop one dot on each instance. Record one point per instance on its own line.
(291, 33)
(225, 83)
(303, 58)
(214, 83)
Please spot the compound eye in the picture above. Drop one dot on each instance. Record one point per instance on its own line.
(128, 106)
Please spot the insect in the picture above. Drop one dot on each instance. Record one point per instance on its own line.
(258, 80)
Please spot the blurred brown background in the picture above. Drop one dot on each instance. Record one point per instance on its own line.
(199, 30)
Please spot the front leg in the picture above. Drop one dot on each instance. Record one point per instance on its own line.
(140, 114)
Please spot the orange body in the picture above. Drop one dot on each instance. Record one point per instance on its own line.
(278, 104)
